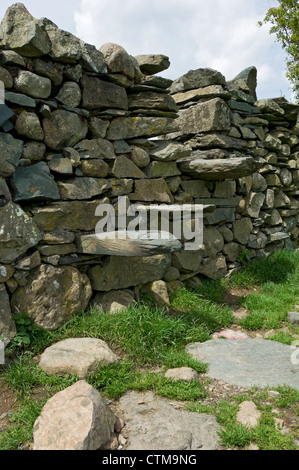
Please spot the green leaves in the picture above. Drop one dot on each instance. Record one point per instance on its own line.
(25, 330)
(285, 24)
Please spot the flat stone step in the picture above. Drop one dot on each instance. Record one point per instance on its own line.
(154, 424)
(203, 205)
(120, 244)
(248, 363)
(219, 169)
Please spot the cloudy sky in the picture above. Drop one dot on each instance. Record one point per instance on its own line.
(220, 34)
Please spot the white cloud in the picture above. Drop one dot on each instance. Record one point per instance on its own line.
(194, 33)
(221, 34)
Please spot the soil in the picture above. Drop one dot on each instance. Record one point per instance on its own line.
(7, 404)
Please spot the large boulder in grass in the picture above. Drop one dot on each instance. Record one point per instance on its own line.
(22, 33)
(79, 356)
(53, 295)
(77, 418)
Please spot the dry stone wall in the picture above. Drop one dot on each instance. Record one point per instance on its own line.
(81, 127)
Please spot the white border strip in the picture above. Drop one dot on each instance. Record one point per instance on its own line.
(2, 93)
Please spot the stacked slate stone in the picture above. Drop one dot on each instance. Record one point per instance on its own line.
(75, 133)
(81, 127)
(244, 159)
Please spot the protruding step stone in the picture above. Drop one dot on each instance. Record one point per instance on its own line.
(215, 170)
(79, 356)
(123, 128)
(75, 419)
(130, 244)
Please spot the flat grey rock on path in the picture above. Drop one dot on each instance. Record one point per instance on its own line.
(154, 424)
(248, 363)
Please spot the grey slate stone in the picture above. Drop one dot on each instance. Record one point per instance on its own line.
(197, 79)
(33, 85)
(293, 317)
(248, 363)
(20, 99)
(22, 33)
(92, 59)
(83, 188)
(18, 233)
(10, 153)
(152, 64)
(34, 183)
(249, 75)
(242, 107)
(122, 272)
(49, 70)
(219, 169)
(154, 424)
(5, 114)
(65, 47)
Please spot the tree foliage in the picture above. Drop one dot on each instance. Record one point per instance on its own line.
(285, 24)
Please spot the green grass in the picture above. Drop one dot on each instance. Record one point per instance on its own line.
(20, 430)
(277, 279)
(148, 337)
(265, 435)
(282, 267)
(145, 334)
(114, 381)
(24, 376)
